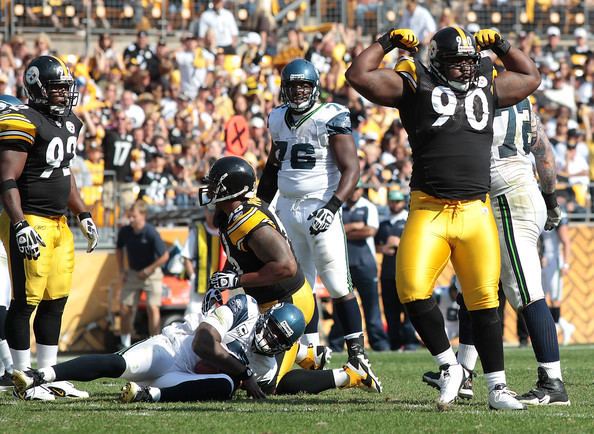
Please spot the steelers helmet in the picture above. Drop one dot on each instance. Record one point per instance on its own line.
(297, 72)
(44, 77)
(278, 329)
(453, 48)
(228, 178)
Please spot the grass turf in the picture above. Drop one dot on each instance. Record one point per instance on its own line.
(407, 405)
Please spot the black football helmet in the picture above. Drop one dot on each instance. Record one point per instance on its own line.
(229, 177)
(453, 48)
(292, 92)
(50, 86)
(278, 329)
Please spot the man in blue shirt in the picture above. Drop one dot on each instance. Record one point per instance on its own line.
(146, 253)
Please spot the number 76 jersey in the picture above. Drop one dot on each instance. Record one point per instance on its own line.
(307, 165)
(50, 144)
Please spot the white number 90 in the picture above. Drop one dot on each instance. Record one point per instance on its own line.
(447, 110)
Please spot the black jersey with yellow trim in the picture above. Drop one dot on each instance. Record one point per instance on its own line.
(450, 131)
(235, 234)
(50, 144)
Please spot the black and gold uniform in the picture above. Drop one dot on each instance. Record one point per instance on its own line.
(451, 132)
(44, 188)
(235, 234)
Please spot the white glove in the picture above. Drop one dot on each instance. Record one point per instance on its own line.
(224, 280)
(89, 230)
(213, 297)
(322, 219)
(553, 218)
(28, 240)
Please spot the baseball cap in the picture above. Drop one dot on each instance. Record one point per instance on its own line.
(580, 32)
(553, 31)
(395, 195)
(252, 38)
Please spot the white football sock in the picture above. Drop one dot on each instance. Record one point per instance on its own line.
(49, 374)
(21, 359)
(494, 378)
(301, 353)
(553, 369)
(341, 378)
(467, 356)
(155, 393)
(446, 358)
(5, 357)
(126, 340)
(47, 355)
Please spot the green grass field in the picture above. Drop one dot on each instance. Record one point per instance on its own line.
(407, 405)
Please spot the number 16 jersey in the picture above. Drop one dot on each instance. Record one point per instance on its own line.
(450, 132)
(50, 144)
(307, 165)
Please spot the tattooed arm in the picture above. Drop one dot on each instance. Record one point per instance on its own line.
(547, 174)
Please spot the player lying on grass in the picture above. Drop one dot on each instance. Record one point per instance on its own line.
(179, 364)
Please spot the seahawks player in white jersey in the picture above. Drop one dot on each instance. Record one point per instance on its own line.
(313, 165)
(5, 357)
(522, 212)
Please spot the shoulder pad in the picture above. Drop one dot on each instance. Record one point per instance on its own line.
(407, 67)
(244, 221)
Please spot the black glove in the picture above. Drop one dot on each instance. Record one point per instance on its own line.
(224, 280)
(553, 211)
(323, 217)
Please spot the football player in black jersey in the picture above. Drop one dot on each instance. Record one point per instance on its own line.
(447, 110)
(37, 144)
(260, 258)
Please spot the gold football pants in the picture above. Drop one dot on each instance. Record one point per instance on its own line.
(305, 301)
(461, 231)
(50, 276)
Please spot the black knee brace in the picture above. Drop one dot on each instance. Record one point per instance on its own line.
(427, 319)
(48, 321)
(17, 324)
(2, 321)
(464, 321)
(488, 338)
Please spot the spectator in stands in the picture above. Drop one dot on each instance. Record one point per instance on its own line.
(146, 253)
(361, 222)
(132, 110)
(553, 50)
(187, 64)
(156, 186)
(43, 45)
(224, 25)
(139, 55)
(580, 51)
(419, 20)
(362, 9)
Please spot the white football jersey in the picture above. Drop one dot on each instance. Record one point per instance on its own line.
(308, 167)
(511, 165)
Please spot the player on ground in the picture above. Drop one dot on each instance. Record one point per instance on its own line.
(260, 258)
(313, 164)
(204, 358)
(447, 110)
(522, 214)
(37, 144)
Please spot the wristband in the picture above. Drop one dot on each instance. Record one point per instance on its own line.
(84, 215)
(245, 374)
(501, 48)
(7, 184)
(333, 204)
(386, 42)
(20, 225)
(550, 200)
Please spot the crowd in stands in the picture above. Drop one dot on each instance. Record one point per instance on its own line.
(158, 114)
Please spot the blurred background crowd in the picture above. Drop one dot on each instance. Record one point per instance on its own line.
(166, 87)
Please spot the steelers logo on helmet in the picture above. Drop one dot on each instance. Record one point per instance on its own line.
(32, 75)
(453, 58)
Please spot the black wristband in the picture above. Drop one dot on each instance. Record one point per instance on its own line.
(333, 204)
(386, 42)
(84, 215)
(245, 374)
(551, 200)
(8, 184)
(20, 225)
(502, 47)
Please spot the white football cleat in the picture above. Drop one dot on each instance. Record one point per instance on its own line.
(451, 378)
(65, 389)
(501, 398)
(39, 393)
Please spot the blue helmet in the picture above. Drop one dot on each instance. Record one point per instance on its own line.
(296, 73)
(278, 329)
(10, 100)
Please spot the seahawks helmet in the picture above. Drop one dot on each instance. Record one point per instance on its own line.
(296, 73)
(453, 48)
(229, 177)
(10, 100)
(278, 329)
(50, 87)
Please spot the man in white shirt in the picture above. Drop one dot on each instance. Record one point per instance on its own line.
(419, 20)
(223, 23)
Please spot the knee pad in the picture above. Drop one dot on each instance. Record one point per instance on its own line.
(485, 318)
(419, 307)
(17, 324)
(48, 321)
